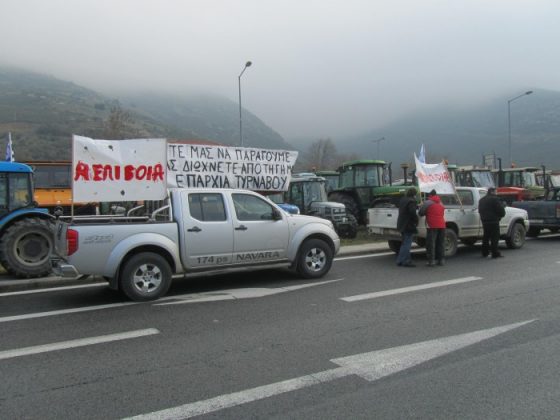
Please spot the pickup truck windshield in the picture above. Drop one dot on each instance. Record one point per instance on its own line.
(466, 198)
(483, 179)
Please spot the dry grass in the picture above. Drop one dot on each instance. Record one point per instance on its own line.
(363, 237)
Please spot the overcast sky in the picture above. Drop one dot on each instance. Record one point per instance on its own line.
(320, 68)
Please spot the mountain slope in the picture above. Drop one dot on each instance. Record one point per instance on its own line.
(42, 113)
(207, 116)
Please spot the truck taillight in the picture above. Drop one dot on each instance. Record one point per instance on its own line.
(558, 211)
(71, 241)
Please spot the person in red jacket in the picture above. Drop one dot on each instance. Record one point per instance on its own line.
(435, 219)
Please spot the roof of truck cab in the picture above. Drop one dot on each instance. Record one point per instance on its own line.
(322, 173)
(14, 167)
(518, 169)
(364, 162)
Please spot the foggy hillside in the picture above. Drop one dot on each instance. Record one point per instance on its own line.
(463, 135)
(43, 112)
(207, 117)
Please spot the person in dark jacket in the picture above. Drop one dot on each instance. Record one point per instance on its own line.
(491, 211)
(435, 219)
(406, 225)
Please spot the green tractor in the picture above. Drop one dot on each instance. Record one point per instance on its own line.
(364, 184)
(331, 179)
(307, 192)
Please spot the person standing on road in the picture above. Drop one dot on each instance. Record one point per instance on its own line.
(491, 211)
(406, 225)
(435, 219)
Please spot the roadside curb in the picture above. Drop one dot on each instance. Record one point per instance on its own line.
(9, 284)
(369, 248)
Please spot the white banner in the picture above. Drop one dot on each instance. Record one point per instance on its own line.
(433, 176)
(203, 166)
(118, 170)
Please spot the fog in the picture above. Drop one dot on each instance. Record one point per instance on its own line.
(320, 68)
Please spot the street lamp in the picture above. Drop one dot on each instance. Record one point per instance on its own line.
(509, 121)
(378, 141)
(247, 64)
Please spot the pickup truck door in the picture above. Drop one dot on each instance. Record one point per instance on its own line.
(258, 235)
(468, 216)
(469, 221)
(207, 231)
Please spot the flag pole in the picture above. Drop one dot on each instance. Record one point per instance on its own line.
(453, 183)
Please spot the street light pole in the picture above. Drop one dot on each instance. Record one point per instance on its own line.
(378, 141)
(509, 121)
(247, 64)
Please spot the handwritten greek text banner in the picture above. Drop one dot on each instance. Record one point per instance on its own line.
(203, 166)
(118, 170)
(433, 176)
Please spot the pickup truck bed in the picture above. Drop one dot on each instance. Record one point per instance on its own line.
(543, 214)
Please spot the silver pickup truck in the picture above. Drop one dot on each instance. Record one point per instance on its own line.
(193, 230)
(462, 222)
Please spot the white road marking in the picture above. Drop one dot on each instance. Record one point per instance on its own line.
(64, 311)
(63, 345)
(355, 257)
(52, 289)
(379, 254)
(370, 366)
(232, 294)
(375, 295)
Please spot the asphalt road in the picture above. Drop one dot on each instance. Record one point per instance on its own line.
(477, 338)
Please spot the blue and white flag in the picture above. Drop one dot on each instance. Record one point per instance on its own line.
(9, 150)
(422, 154)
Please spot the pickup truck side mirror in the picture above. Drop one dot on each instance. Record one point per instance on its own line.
(276, 215)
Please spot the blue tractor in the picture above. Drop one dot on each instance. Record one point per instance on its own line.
(26, 232)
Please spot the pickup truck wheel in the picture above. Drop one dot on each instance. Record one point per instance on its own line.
(517, 237)
(533, 232)
(145, 276)
(450, 243)
(26, 246)
(315, 259)
(394, 246)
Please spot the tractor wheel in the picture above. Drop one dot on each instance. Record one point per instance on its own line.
(349, 203)
(26, 246)
(349, 230)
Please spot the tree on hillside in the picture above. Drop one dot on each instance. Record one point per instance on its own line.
(119, 124)
(322, 154)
